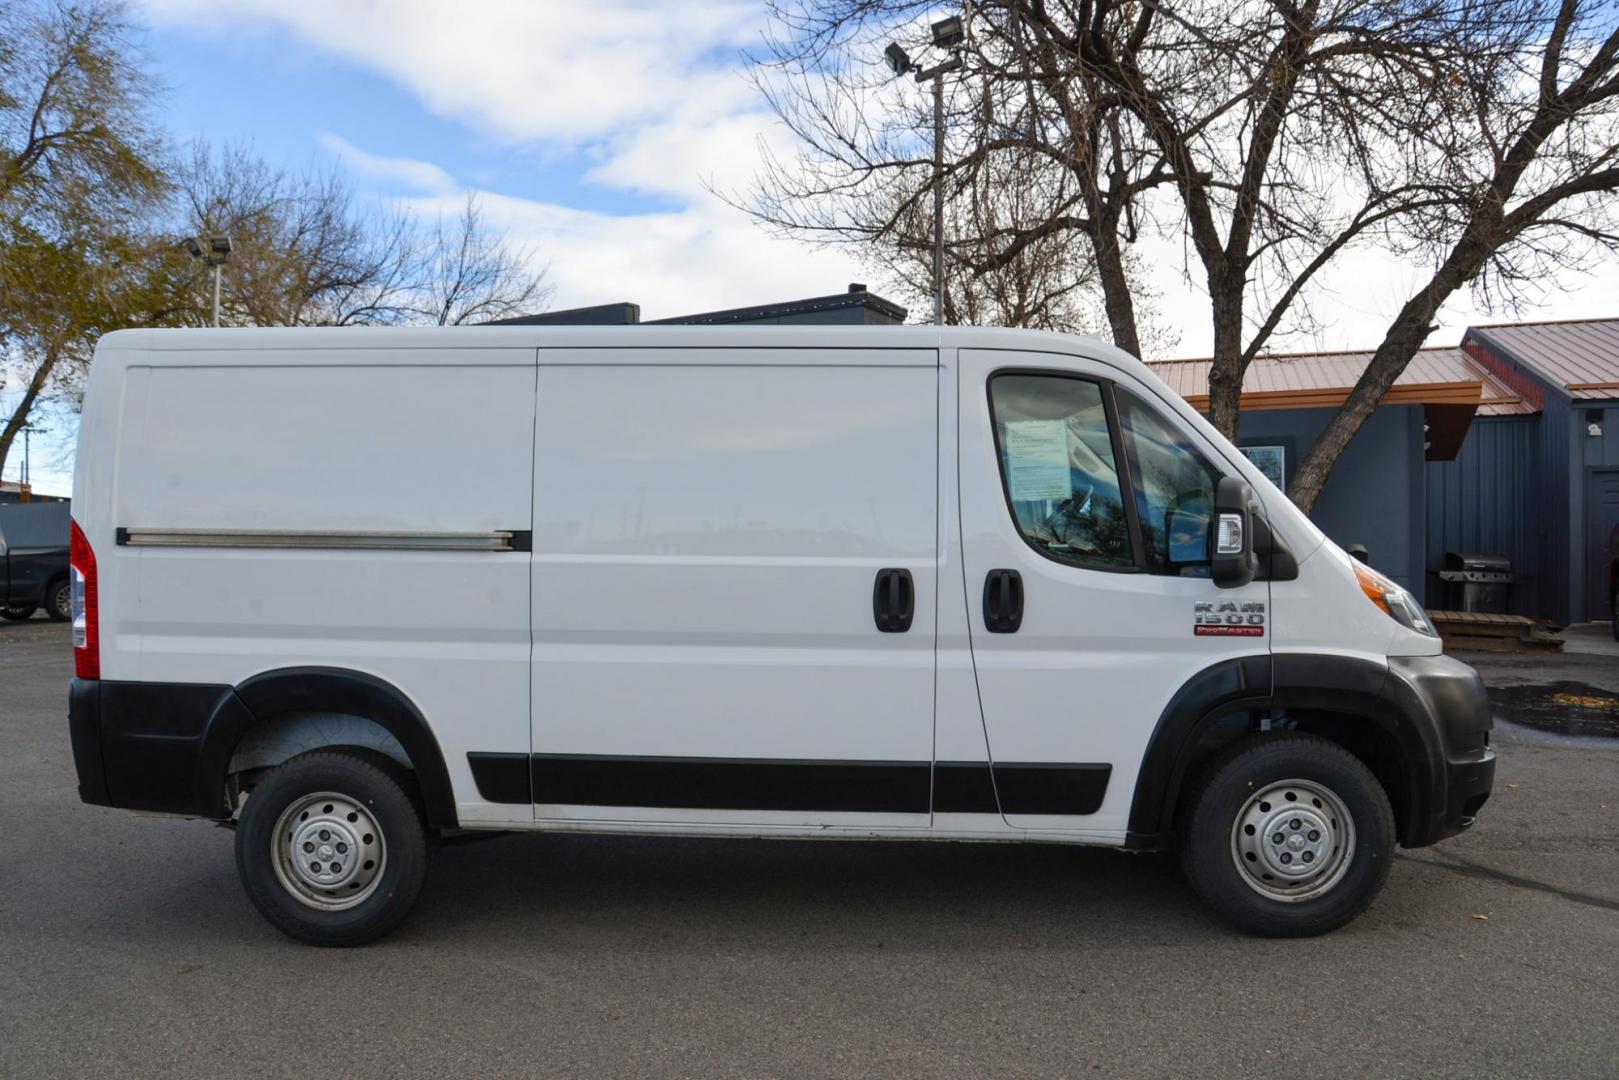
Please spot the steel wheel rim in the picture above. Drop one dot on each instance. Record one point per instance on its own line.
(64, 603)
(328, 851)
(1293, 840)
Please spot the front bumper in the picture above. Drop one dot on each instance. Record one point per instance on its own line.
(1446, 700)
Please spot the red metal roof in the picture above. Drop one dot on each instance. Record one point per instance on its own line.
(1437, 376)
(1580, 355)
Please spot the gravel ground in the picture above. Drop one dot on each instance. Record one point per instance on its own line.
(128, 949)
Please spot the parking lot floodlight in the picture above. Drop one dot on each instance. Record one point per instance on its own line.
(949, 33)
(898, 59)
(210, 251)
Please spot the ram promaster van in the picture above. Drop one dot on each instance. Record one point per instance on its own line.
(348, 590)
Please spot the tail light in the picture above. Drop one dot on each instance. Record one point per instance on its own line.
(86, 629)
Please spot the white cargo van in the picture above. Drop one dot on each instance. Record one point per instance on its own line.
(350, 589)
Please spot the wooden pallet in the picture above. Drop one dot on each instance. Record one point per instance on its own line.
(1493, 633)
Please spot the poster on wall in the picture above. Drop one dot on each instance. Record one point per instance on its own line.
(1270, 460)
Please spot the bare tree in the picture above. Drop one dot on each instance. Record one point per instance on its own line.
(470, 275)
(78, 181)
(304, 252)
(1270, 136)
(1032, 204)
(1527, 156)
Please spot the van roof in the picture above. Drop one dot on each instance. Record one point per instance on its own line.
(233, 339)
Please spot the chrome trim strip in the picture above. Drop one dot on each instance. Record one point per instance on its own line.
(317, 540)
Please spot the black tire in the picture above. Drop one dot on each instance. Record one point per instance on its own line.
(58, 599)
(377, 787)
(1238, 785)
(1613, 606)
(16, 614)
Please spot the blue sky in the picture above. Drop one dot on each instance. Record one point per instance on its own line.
(592, 133)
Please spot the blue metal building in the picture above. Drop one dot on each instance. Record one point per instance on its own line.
(1542, 486)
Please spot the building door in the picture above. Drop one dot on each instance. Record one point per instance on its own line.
(719, 535)
(1601, 541)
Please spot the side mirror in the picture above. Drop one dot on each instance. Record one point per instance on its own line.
(1231, 556)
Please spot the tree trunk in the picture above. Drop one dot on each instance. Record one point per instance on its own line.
(19, 419)
(1116, 298)
(1404, 337)
(1226, 370)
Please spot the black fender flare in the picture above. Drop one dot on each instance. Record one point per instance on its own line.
(1215, 706)
(1230, 687)
(317, 689)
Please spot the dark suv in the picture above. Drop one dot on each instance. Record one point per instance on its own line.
(33, 560)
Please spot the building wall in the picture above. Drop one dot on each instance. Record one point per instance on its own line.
(1375, 495)
(1483, 503)
(1556, 497)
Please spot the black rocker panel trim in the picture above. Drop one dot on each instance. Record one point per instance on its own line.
(786, 784)
(1056, 789)
(501, 778)
(873, 787)
(963, 787)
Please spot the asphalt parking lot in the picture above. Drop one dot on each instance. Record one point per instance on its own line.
(128, 949)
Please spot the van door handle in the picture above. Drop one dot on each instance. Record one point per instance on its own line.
(1003, 601)
(893, 600)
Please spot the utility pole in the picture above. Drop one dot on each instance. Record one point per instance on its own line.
(948, 34)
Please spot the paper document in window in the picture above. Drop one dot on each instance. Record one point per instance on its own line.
(1037, 460)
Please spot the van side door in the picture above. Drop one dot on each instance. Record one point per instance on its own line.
(734, 588)
(1085, 513)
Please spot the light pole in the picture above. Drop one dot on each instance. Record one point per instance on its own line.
(211, 251)
(947, 34)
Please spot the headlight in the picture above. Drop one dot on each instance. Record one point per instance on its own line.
(1396, 603)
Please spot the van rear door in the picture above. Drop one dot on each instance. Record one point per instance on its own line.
(1085, 510)
(718, 534)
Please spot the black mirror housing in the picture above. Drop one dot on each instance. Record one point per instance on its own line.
(1231, 543)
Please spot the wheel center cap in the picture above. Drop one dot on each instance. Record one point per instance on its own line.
(1296, 841)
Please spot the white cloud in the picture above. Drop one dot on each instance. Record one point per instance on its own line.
(674, 263)
(516, 69)
(649, 91)
(418, 176)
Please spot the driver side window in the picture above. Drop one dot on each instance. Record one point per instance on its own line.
(1174, 491)
(1058, 467)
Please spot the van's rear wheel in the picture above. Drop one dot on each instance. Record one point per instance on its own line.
(331, 847)
(1288, 836)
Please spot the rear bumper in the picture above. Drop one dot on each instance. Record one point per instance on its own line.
(139, 746)
(1446, 701)
(84, 729)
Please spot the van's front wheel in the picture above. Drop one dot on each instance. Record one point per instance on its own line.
(331, 848)
(1288, 836)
